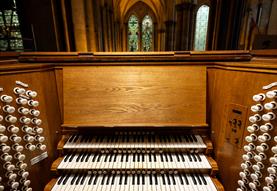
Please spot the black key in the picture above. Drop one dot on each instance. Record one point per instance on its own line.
(66, 157)
(79, 157)
(161, 157)
(114, 159)
(90, 179)
(175, 138)
(180, 139)
(108, 180)
(120, 179)
(88, 155)
(138, 158)
(94, 157)
(103, 179)
(153, 138)
(97, 139)
(87, 139)
(194, 138)
(113, 179)
(78, 180)
(128, 140)
(178, 159)
(182, 157)
(73, 179)
(142, 157)
(173, 179)
(186, 179)
(66, 178)
(156, 179)
(126, 180)
(193, 179)
(198, 157)
(166, 157)
(95, 180)
(143, 179)
(186, 137)
(150, 159)
(90, 139)
(149, 138)
(194, 157)
(76, 138)
(163, 179)
(168, 179)
(190, 139)
(134, 158)
(83, 179)
(111, 156)
(71, 138)
(83, 157)
(142, 138)
(155, 158)
(190, 159)
(106, 158)
(203, 179)
(99, 157)
(133, 180)
(102, 139)
(112, 139)
(122, 157)
(60, 180)
(138, 179)
(108, 139)
(198, 179)
(71, 158)
(150, 179)
(127, 157)
(181, 180)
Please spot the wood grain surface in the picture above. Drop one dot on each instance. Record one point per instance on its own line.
(149, 95)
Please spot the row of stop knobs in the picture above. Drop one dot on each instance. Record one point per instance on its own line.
(32, 134)
(262, 140)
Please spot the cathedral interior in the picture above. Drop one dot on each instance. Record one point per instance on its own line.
(139, 95)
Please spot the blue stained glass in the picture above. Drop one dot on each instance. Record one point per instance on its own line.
(133, 34)
(201, 29)
(147, 33)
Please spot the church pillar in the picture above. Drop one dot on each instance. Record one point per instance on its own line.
(65, 26)
(79, 25)
(117, 36)
(192, 26)
(91, 39)
(186, 7)
(169, 35)
(161, 42)
(104, 13)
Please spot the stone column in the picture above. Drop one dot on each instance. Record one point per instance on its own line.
(91, 39)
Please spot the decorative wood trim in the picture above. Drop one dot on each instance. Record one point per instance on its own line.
(56, 163)
(209, 145)
(214, 166)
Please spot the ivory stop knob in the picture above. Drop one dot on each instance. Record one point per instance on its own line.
(240, 182)
(12, 176)
(6, 98)
(254, 176)
(252, 185)
(271, 170)
(3, 138)
(25, 174)
(2, 128)
(18, 90)
(266, 188)
(271, 94)
(31, 94)
(2, 188)
(27, 182)
(21, 101)
(5, 148)
(259, 97)
(242, 175)
(269, 180)
(273, 160)
(14, 185)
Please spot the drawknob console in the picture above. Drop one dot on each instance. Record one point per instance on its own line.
(20, 133)
(259, 165)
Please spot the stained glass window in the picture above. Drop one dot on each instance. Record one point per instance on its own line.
(10, 36)
(147, 33)
(133, 34)
(201, 28)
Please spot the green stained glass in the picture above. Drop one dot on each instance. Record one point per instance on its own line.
(133, 34)
(201, 29)
(147, 33)
(10, 35)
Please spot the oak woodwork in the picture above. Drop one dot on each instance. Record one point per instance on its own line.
(147, 95)
(214, 166)
(217, 184)
(50, 184)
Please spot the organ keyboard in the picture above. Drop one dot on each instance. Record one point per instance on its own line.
(134, 161)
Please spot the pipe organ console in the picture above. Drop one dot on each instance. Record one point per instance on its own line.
(260, 160)
(18, 135)
(155, 121)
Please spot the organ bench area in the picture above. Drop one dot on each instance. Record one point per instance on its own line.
(136, 121)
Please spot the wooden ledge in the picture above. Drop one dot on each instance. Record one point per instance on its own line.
(214, 166)
(217, 184)
(50, 184)
(209, 145)
(56, 163)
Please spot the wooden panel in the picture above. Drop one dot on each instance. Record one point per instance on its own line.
(134, 95)
(44, 83)
(226, 87)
